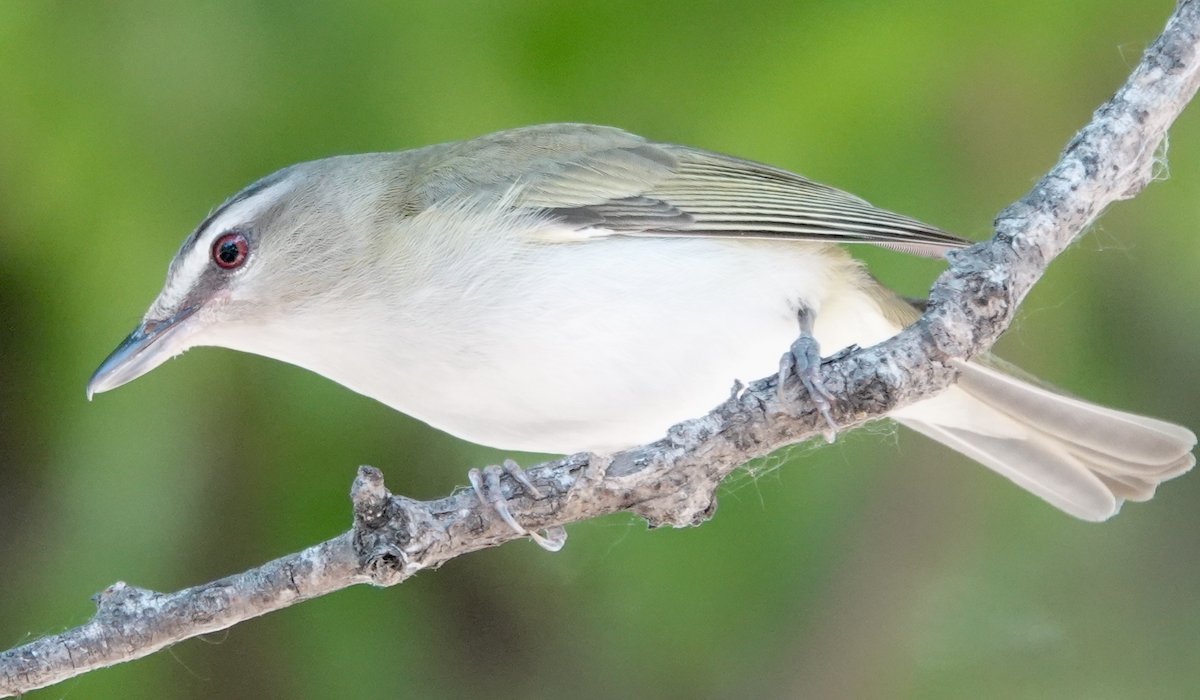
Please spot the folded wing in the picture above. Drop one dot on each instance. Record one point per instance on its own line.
(599, 181)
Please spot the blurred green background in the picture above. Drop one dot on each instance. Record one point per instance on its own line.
(880, 567)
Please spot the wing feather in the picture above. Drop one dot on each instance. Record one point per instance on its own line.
(601, 181)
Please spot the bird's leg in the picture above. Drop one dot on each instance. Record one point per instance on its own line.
(804, 360)
(487, 487)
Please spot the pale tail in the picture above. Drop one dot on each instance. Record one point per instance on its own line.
(1080, 457)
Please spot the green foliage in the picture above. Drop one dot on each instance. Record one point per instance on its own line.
(882, 566)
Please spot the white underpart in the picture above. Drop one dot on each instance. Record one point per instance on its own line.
(502, 339)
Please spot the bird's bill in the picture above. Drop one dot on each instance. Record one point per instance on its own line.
(148, 346)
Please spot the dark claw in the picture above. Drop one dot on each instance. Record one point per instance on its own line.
(495, 497)
(486, 485)
(515, 471)
(787, 367)
(804, 360)
(476, 479)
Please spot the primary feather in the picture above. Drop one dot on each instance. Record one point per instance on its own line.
(610, 182)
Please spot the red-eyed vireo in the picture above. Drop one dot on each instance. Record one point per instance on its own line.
(567, 288)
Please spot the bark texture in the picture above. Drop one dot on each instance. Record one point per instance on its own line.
(673, 481)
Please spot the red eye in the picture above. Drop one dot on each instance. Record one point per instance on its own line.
(230, 250)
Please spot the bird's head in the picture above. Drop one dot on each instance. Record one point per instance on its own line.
(268, 254)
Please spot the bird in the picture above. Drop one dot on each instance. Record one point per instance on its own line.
(568, 288)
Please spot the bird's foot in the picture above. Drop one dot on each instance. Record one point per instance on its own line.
(487, 487)
(803, 360)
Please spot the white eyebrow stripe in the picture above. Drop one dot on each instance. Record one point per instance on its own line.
(193, 257)
(241, 211)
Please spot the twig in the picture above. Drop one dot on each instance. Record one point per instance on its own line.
(673, 481)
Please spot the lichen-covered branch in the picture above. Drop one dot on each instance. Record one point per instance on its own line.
(673, 481)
